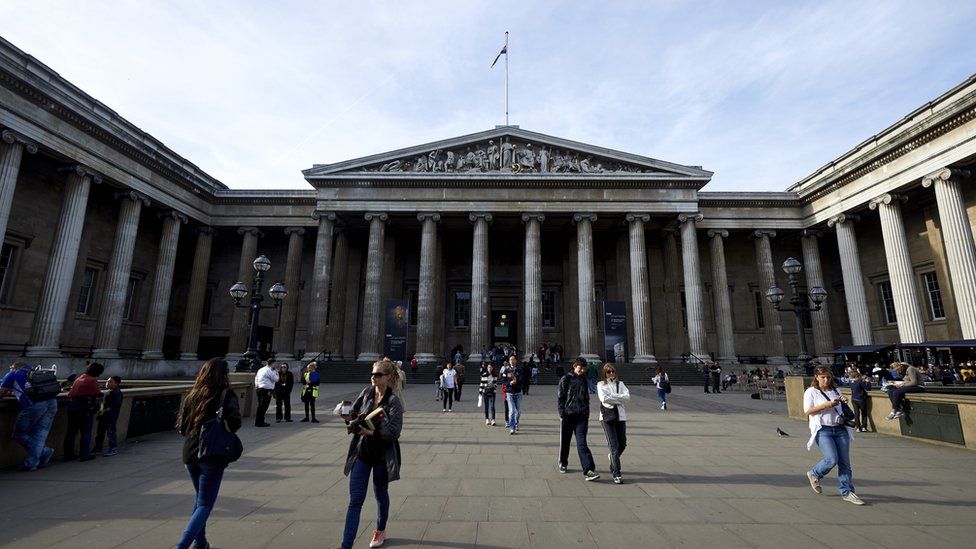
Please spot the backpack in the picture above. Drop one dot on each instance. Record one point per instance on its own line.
(42, 385)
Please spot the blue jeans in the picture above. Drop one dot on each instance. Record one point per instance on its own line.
(835, 444)
(489, 405)
(662, 395)
(514, 410)
(358, 480)
(592, 384)
(32, 427)
(206, 479)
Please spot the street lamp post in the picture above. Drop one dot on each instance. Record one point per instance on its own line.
(239, 291)
(800, 306)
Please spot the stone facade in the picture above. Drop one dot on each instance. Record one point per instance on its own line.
(116, 247)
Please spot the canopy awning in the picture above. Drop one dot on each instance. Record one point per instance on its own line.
(933, 344)
(861, 349)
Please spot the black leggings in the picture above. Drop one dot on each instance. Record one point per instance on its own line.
(860, 413)
(283, 400)
(448, 398)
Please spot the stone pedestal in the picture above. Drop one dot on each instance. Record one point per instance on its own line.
(425, 291)
(587, 296)
(639, 290)
(694, 302)
(372, 342)
(532, 308)
(480, 323)
(850, 263)
(190, 339)
(901, 274)
(237, 344)
(723, 301)
(162, 286)
(823, 341)
(290, 305)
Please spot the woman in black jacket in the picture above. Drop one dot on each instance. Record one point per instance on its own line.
(282, 392)
(210, 392)
(375, 451)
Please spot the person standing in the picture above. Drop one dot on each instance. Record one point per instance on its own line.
(108, 417)
(34, 418)
(209, 397)
(310, 391)
(661, 380)
(822, 404)
(859, 400)
(459, 382)
(487, 391)
(448, 382)
(84, 400)
(613, 394)
(264, 385)
(706, 373)
(911, 382)
(375, 452)
(512, 378)
(716, 373)
(282, 394)
(573, 402)
(527, 375)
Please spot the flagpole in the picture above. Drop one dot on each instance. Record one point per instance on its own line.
(506, 78)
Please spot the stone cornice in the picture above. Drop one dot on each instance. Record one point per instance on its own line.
(264, 197)
(507, 181)
(749, 200)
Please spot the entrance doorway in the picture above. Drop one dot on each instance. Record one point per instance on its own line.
(504, 327)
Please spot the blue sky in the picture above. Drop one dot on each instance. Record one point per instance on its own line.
(761, 93)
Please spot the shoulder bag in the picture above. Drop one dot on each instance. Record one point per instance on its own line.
(611, 414)
(666, 384)
(217, 442)
(847, 415)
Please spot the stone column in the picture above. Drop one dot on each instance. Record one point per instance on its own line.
(190, 338)
(823, 340)
(587, 296)
(723, 301)
(850, 264)
(773, 329)
(337, 305)
(639, 290)
(533, 283)
(49, 318)
(425, 290)
(672, 293)
(318, 310)
(162, 285)
(694, 302)
(237, 344)
(480, 323)
(12, 148)
(372, 343)
(904, 290)
(289, 305)
(957, 237)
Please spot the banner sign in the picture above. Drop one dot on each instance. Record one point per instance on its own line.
(395, 329)
(615, 330)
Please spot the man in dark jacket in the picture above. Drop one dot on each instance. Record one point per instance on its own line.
(573, 400)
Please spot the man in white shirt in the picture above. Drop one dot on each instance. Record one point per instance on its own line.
(264, 383)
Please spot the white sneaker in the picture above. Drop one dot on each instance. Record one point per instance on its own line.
(444, 411)
(852, 498)
(492, 423)
(664, 405)
(891, 416)
(814, 482)
(487, 421)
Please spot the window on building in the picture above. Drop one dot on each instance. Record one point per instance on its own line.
(887, 302)
(462, 309)
(548, 309)
(936, 310)
(684, 310)
(207, 306)
(131, 296)
(414, 304)
(86, 296)
(757, 298)
(8, 256)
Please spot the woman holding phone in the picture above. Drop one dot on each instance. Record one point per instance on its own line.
(822, 404)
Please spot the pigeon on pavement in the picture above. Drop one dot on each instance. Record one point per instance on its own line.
(781, 432)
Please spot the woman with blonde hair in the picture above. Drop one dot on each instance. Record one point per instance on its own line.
(210, 397)
(374, 451)
(822, 403)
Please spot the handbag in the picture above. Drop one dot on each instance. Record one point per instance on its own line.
(216, 441)
(666, 385)
(847, 414)
(611, 414)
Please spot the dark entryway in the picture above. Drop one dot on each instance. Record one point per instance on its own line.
(504, 327)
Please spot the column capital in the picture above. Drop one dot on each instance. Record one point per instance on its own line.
(474, 217)
(945, 174)
(577, 217)
(433, 216)
(175, 215)
(886, 199)
(811, 233)
(632, 217)
(82, 171)
(721, 233)
(319, 214)
(526, 217)
(382, 216)
(300, 231)
(206, 229)
(250, 230)
(11, 137)
(843, 218)
(762, 233)
(690, 216)
(134, 196)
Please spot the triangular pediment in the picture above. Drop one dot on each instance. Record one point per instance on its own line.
(505, 150)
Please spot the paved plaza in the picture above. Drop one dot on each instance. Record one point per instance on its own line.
(709, 472)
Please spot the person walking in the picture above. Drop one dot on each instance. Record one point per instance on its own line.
(822, 404)
(84, 398)
(512, 378)
(375, 452)
(661, 381)
(34, 418)
(210, 397)
(282, 394)
(459, 382)
(487, 391)
(613, 394)
(859, 400)
(448, 382)
(264, 385)
(310, 391)
(911, 382)
(573, 403)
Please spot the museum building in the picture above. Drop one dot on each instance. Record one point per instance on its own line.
(117, 248)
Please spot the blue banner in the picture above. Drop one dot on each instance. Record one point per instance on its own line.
(395, 330)
(615, 330)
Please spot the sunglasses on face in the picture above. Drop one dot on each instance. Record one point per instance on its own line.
(377, 374)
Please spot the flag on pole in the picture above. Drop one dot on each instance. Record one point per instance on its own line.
(504, 51)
